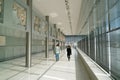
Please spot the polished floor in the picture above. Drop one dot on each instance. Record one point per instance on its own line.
(44, 69)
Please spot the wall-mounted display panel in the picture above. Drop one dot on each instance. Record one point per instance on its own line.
(42, 27)
(36, 23)
(1, 11)
(2, 40)
(21, 14)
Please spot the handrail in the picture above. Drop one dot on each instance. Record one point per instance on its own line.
(94, 70)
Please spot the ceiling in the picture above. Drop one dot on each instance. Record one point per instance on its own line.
(56, 9)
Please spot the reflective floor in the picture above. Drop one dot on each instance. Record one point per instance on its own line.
(43, 69)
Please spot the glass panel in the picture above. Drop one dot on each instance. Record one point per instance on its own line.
(106, 24)
(102, 15)
(97, 46)
(92, 46)
(91, 23)
(100, 49)
(112, 3)
(103, 26)
(97, 50)
(105, 48)
(87, 45)
(115, 53)
(115, 16)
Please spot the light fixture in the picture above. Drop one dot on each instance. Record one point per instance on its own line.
(68, 13)
(53, 15)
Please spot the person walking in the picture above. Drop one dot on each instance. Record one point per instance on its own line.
(57, 52)
(68, 52)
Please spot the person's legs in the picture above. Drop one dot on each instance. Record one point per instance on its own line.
(57, 56)
(68, 57)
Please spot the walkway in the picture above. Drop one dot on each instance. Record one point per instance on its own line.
(42, 69)
(62, 70)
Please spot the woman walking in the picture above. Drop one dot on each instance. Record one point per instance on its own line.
(57, 52)
(68, 52)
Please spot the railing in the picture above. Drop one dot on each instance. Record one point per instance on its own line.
(94, 70)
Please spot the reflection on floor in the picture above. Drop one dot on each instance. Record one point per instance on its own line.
(42, 69)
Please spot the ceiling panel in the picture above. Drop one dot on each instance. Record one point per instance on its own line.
(56, 9)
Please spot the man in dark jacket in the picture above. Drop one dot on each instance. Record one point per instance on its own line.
(68, 52)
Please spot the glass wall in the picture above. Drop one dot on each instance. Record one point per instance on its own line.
(103, 42)
(92, 51)
(115, 53)
(114, 37)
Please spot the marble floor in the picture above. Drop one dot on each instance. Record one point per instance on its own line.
(43, 69)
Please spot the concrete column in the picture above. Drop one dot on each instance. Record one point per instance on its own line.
(47, 38)
(55, 33)
(59, 35)
(62, 40)
(29, 37)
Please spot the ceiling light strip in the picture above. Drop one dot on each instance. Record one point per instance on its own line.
(68, 13)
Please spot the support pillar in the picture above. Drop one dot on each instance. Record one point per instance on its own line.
(29, 36)
(47, 38)
(55, 36)
(59, 35)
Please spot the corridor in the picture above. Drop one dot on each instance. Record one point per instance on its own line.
(43, 69)
(30, 31)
